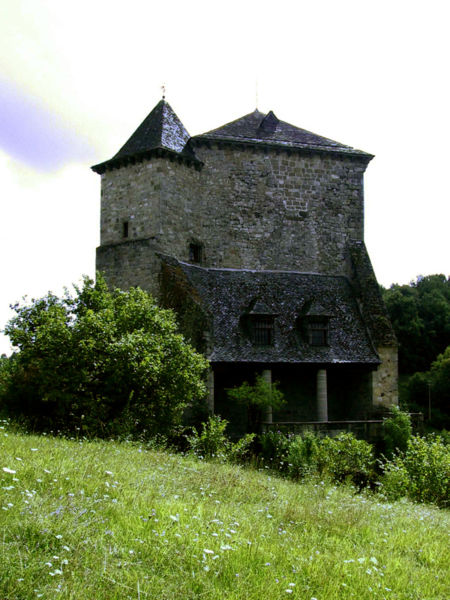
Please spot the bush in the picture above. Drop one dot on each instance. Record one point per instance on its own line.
(274, 448)
(302, 456)
(100, 363)
(396, 432)
(346, 458)
(213, 443)
(422, 472)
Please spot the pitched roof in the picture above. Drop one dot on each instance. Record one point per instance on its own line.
(160, 131)
(258, 128)
(227, 295)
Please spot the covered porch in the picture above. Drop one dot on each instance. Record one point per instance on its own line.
(326, 398)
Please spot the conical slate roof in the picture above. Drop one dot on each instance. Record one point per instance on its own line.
(161, 130)
(258, 128)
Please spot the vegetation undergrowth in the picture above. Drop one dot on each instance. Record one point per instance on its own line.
(110, 520)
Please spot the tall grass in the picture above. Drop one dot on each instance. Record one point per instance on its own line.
(103, 520)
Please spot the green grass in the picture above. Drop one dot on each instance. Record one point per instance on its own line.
(104, 520)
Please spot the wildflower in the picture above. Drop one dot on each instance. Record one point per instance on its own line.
(9, 470)
(206, 551)
(288, 591)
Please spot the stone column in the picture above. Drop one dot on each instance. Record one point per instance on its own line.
(322, 400)
(210, 387)
(267, 377)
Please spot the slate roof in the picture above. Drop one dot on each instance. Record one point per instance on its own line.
(226, 295)
(260, 129)
(161, 131)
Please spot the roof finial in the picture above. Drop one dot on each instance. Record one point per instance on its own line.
(163, 89)
(256, 93)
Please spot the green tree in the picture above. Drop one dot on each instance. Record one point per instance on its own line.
(431, 390)
(99, 361)
(258, 398)
(420, 315)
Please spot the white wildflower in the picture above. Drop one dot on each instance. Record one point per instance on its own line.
(7, 470)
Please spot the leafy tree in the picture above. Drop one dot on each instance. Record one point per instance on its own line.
(101, 362)
(432, 387)
(420, 315)
(258, 398)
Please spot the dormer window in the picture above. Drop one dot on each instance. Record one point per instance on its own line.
(318, 331)
(258, 323)
(195, 253)
(262, 329)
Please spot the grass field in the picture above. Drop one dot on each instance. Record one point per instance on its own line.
(104, 520)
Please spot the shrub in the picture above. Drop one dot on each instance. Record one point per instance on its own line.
(422, 472)
(346, 458)
(274, 448)
(396, 431)
(302, 455)
(213, 443)
(241, 450)
(99, 362)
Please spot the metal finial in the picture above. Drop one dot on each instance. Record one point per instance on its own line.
(163, 89)
(256, 93)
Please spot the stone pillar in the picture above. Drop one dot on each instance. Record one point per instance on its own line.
(210, 386)
(267, 377)
(322, 400)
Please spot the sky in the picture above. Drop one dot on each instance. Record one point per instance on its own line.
(76, 79)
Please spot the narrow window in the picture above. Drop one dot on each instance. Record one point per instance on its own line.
(318, 332)
(262, 330)
(195, 253)
(125, 229)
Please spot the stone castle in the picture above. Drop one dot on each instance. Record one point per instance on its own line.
(254, 234)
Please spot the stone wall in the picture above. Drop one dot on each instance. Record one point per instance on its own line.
(385, 379)
(249, 208)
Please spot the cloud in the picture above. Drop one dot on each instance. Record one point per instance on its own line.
(32, 134)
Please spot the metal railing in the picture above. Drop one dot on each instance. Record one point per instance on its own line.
(368, 429)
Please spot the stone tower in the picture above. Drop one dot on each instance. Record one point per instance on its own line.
(256, 195)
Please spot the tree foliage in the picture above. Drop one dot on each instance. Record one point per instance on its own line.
(431, 390)
(257, 398)
(103, 362)
(420, 315)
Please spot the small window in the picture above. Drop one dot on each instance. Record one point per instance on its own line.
(195, 253)
(262, 330)
(125, 229)
(318, 332)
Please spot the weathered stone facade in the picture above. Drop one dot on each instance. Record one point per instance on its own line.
(248, 208)
(257, 194)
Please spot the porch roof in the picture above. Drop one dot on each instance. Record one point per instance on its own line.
(227, 296)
